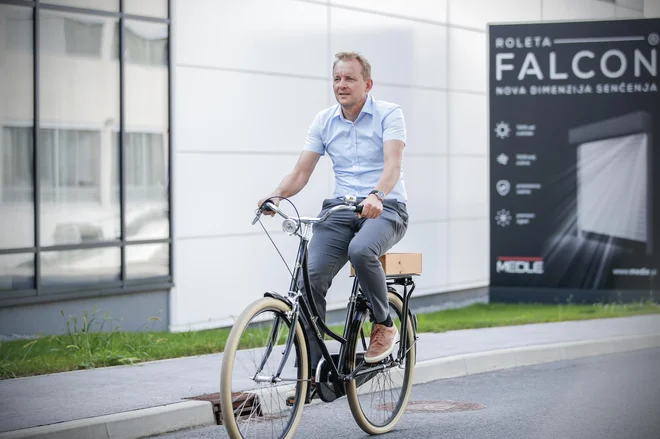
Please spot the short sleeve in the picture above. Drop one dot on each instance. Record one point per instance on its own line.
(314, 141)
(394, 126)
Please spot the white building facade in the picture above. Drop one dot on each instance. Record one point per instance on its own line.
(149, 170)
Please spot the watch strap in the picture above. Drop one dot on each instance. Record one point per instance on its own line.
(379, 194)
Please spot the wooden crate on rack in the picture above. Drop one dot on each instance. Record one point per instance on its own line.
(396, 264)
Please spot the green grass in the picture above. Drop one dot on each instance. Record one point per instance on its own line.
(492, 315)
(85, 346)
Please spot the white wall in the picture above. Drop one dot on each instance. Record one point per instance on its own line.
(652, 8)
(249, 78)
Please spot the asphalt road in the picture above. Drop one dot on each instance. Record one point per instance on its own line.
(608, 397)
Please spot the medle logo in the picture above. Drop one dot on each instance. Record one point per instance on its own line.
(519, 265)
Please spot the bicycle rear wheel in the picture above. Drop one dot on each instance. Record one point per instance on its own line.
(256, 407)
(378, 401)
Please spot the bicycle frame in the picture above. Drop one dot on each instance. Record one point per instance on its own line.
(311, 316)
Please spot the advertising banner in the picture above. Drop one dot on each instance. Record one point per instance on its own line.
(574, 160)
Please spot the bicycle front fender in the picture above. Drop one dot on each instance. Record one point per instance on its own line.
(277, 296)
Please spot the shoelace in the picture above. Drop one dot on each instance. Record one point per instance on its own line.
(379, 335)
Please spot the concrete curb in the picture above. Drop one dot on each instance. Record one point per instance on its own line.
(489, 361)
(127, 425)
(190, 414)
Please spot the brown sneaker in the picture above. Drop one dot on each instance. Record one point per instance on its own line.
(382, 343)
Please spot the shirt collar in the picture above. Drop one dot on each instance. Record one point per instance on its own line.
(368, 108)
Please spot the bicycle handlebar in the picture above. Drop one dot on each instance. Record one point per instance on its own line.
(267, 205)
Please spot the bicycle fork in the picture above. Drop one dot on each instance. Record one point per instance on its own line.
(272, 341)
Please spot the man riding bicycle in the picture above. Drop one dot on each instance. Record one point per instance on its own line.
(365, 139)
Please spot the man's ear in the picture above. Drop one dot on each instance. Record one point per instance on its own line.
(370, 84)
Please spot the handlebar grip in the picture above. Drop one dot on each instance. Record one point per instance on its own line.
(265, 206)
(358, 209)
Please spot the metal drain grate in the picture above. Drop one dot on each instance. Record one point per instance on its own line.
(436, 406)
(245, 400)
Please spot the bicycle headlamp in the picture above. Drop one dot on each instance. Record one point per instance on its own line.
(289, 226)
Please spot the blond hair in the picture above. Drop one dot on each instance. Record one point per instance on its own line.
(347, 56)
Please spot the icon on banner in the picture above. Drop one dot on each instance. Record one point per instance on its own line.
(502, 159)
(502, 130)
(654, 39)
(503, 187)
(503, 217)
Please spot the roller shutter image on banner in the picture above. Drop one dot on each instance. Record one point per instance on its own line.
(574, 160)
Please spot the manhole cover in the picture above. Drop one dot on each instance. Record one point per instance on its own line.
(437, 406)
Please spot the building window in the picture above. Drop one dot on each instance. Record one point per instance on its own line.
(84, 150)
(146, 43)
(71, 34)
(16, 164)
(146, 167)
(16, 24)
(69, 165)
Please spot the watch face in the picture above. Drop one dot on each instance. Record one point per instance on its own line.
(379, 194)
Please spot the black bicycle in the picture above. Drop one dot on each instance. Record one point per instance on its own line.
(265, 383)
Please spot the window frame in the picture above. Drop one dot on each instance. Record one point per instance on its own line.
(41, 293)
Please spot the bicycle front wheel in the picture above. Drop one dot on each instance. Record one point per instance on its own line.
(252, 405)
(378, 400)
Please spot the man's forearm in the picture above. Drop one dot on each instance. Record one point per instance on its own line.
(290, 185)
(389, 178)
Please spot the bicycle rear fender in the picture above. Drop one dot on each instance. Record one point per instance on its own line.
(411, 315)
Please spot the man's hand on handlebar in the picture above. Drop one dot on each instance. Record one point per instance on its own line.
(274, 200)
(372, 207)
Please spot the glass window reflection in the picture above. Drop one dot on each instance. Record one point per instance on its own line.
(147, 260)
(17, 271)
(147, 131)
(77, 147)
(145, 43)
(71, 34)
(16, 128)
(149, 8)
(63, 269)
(79, 111)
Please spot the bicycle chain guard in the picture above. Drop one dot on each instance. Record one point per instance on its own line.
(327, 389)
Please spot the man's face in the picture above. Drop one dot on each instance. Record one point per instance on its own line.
(349, 85)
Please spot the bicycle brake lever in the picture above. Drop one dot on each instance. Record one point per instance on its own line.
(256, 218)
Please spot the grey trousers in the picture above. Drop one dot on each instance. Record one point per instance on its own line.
(343, 237)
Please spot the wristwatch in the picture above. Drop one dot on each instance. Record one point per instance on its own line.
(379, 194)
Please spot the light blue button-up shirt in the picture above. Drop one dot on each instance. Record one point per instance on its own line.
(356, 148)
